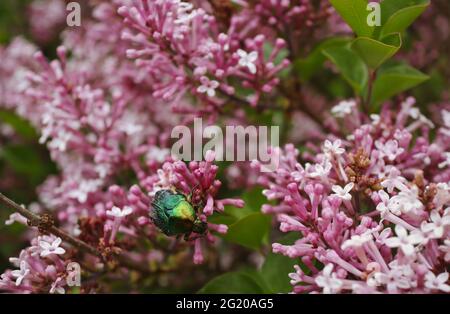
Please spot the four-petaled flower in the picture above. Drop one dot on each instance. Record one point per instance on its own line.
(208, 86)
(51, 248)
(438, 282)
(119, 213)
(406, 201)
(328, 280)
(436, 228)
(248, 60)
(343, 108)
(320, 171)
(21, 273)
(390, 149)
(446, 249)
(383, 206)
(333, 148)
(404, 241)
(393, 180)
(343, 193)
(357, 240)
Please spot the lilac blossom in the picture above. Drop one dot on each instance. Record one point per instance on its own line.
(42, 268)
(353, 242)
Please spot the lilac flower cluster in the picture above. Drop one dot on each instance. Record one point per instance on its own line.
(187, 52)
(370, 203)
(41, 268)
(371, 210)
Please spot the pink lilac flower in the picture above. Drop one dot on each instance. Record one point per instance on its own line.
(51, 248)
(343, 217)
(46, 18)
(41, 268)
(211, 58)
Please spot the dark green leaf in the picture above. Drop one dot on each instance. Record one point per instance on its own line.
(24, 160)
(251, 231)
(399, 14)
(374, 52)
(394, 79)
(22, 127)
(350, 65)
(277, 267)
(307, 67)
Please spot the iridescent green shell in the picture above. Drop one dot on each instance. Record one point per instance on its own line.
(174, 215)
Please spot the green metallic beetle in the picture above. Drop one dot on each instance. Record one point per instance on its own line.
(174, 215)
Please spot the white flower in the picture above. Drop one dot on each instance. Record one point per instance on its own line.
(51, 248)
(297, 276)
(446, 249)
(343, 193)
(299, 174)
(437, 283)
(357, 241)
(158, 154)
(343, 108)
(21, 273)
(328, 280)
(81, 192)
(17, 260)
(406, 201)
(394, 180)
(436, 228)
(404, 241)
(390, 149)
(333, 148)
(130, 123)
(415, 114)
(320, 171)
(375, 119)
(446, 117)
(442, 196)
(60, 141)
(16, 217)
(446, 162)
(119, 213)
(383, 207)
(398, 277)
(208, 86)
(248, 60)
(56, 288)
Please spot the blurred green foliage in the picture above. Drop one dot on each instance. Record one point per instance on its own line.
(13, 21)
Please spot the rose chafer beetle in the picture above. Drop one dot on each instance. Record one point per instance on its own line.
(174, 215)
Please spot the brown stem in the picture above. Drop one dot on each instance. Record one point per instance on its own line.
(83, 246)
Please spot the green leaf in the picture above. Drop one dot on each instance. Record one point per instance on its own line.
(232, 282)
(393, 79)
(277, 267)
(355, 13)
(389, 7)
(254, 199)
(22, 127)
(399, 14)
(350, 65)
(307, 67)
(374, 52)
(251, 231)
(24, 160)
